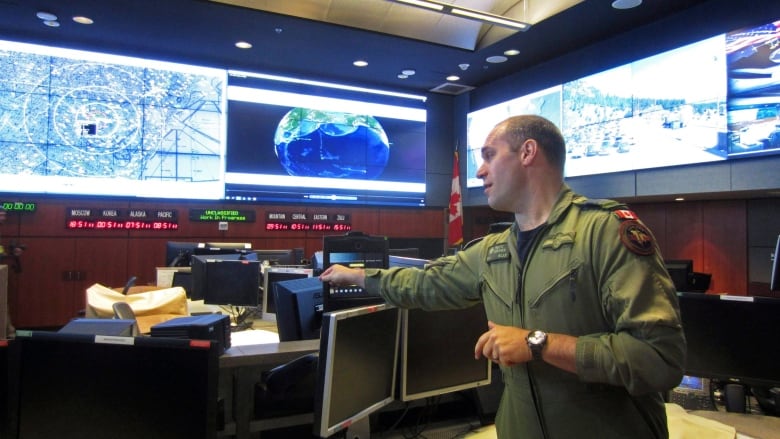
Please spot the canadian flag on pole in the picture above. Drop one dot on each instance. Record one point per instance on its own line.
(456, 207)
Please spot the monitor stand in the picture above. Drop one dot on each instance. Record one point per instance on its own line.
(360, 429)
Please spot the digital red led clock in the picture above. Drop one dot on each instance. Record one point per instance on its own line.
(121, 225)
(312, 226)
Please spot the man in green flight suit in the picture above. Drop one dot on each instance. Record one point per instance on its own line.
(583, 317)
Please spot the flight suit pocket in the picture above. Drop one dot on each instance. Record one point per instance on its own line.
(498, 303)
(561, 287)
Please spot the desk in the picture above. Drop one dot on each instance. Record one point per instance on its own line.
(240, 368)
(754, 426)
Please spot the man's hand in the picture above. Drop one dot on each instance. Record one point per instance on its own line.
(341, 275)
(503, 344)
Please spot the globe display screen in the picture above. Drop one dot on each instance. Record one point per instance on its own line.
(294, 147)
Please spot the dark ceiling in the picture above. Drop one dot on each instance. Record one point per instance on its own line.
(204, 32)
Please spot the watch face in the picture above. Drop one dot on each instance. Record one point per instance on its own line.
(537, 337)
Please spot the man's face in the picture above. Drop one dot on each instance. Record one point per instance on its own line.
(501, 173)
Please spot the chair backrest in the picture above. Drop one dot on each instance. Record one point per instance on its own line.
(123, 311)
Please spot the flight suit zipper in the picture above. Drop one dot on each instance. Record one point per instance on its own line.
(521, 303)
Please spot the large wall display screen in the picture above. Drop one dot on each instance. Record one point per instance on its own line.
(293, 147)
(713, 100)
(76, 122)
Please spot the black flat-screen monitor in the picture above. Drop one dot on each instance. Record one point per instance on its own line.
(409, 252)
(76, 386)
(183, 279)
(681, 272)
(298, 308)
(221, 280)
(732, 338)
(243, 249)
(5, 379)
(282, 256)
(274, 274)
(437, 352)
(178, 253)
(437, 347)
(357, 367)
(405, 261)
(774, 280)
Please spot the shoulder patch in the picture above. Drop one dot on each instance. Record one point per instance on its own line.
(498, 252)
(637, 238)
(625, 214)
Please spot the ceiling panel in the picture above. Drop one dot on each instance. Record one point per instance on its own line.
(412, 22)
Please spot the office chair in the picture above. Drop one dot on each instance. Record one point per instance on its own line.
(128, 285)
(123, 311)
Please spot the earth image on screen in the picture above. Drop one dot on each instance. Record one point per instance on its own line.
(317, 143)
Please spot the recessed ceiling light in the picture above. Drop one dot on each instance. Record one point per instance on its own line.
(243, 45)
(408, 72)
(82, 20)
(52, 23)
(626, 4)
(360, 63)
(46, 16)
(496, 59)
(402, 76)
(453, 78)
(679, 199)
(511, 52)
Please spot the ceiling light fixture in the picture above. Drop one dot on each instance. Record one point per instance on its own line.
(423, 4)
(511, 52)
(46, 16)
(243, 45)
(626, 4)
(453, 78)
(360, 63)
(473, 14)
(52, 23)
(497, 59)
(408, 72)
(80, 19)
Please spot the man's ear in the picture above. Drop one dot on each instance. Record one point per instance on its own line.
(528, 151)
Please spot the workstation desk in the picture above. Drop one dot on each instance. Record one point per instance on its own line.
(240, 369)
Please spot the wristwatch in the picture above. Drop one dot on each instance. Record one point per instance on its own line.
(536, 340)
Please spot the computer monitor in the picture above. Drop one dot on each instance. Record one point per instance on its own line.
(357, 367)
(437, 352)
(274, 274)
(774, 280)
(243, 249)
(224, 280)
(732, 338)
(70, 386)
(355, 250)
(405, 261)
(178, 253)
(681, 271)
(183, 279)
(298, 308)
(409, 252)
(283, 256)
(5, 381)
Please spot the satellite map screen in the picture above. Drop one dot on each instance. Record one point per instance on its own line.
(76, 122)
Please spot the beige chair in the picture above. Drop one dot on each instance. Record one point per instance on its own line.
(150, 306)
